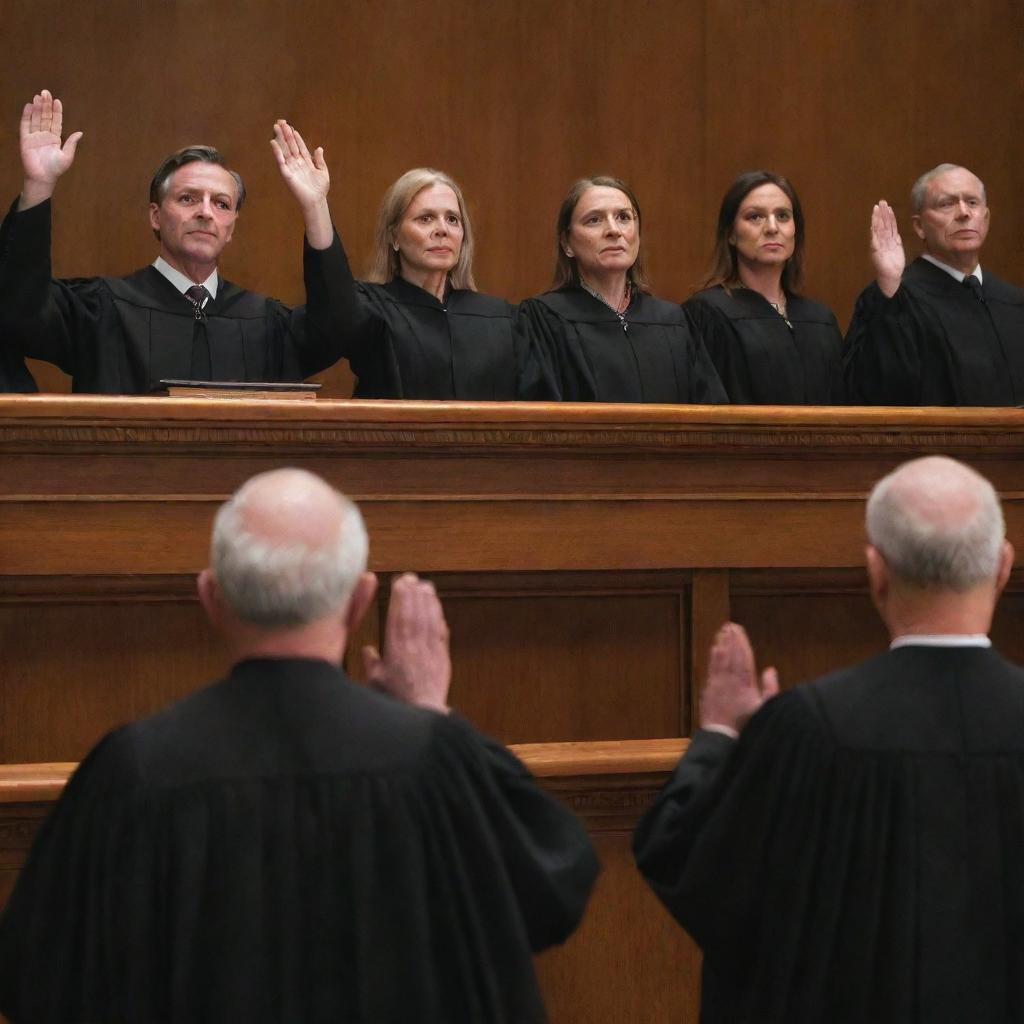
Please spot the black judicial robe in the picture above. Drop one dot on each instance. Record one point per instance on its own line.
(402, 342)
(760, 358)
(14, 374)
(123, 335)
(858, 855)
(576, 350)
(934, 343)
(286, 846)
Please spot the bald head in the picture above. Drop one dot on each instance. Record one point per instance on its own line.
(287, 549)
(937, 524)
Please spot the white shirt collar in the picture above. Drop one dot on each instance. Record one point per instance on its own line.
(941, 640)
(952, 271)
(181, 282)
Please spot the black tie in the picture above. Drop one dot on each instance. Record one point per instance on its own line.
(197, 295)
(200, 368)
(974, 285)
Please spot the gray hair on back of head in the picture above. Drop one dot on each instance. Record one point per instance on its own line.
(280, 585)
(922, 549)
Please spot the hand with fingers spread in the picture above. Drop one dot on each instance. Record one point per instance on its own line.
(887, 253)
(416, 667)
(43, 158)
(733, 692)
(308, 178)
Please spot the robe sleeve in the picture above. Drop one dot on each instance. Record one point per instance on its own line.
(724, 349)
(706, 386)
(550, 862)
(882, 362)
(334, 323)
(56, 321)
(539, 353)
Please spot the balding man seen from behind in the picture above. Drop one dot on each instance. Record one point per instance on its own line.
(286, 845)
(857, 853)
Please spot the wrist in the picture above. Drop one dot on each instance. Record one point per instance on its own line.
(35, 192)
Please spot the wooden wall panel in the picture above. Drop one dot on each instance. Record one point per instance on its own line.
(851, 100)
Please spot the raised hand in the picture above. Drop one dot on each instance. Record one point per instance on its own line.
(416, 667)
(733, 692)
(887, 253)
(43, 158)
(307, 176)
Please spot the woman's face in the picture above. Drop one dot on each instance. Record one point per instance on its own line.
(429, 235)
(764, 232)
(604, 235)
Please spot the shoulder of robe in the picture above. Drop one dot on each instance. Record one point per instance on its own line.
(1002, 291)
(470, 303)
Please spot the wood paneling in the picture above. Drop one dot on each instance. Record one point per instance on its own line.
(851, 100)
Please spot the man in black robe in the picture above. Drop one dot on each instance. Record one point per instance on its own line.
(857, 854)
(176, 319)
(943, 332)
(286, 845)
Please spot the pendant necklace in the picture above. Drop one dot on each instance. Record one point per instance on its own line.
(620, 310)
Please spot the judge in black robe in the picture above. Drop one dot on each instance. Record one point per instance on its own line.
(286, 845)
(858, 854)
(942, 331)
(764, 358)
(769, 344)
(935, 343)
(420, 329)
(124, 335)
(599, 336)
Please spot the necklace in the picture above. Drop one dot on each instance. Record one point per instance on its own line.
(620, 310)
(780, 308)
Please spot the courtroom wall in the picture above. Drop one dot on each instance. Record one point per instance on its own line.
(850, 98)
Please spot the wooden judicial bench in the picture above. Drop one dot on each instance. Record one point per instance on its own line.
(585, 556)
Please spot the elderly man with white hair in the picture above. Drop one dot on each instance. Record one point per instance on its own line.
(942, 331)
(286, 845)
(857, 854)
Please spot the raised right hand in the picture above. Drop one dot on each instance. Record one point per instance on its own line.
(43, 158)
(887, 253)
(733, 691)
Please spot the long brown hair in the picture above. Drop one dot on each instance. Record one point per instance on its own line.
(566, 270)
(724, 268)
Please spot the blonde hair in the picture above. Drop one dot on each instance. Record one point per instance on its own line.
(386, 264)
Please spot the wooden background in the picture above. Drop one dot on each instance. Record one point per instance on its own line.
(850, 98)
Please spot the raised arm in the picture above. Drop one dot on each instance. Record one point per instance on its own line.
(43, 158)
(887, 253)
(307, 177)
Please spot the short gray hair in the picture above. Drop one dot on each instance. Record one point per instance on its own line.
(920, 187)
(938, 524)
(277, 582)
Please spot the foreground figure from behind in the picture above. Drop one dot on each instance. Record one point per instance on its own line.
(599, 335)
(419, 328)
(858, 854)
(286, 845)
(770, 345)
(178, 318)
(941, 332)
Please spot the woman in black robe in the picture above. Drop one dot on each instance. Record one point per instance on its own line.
(599, 335)
(770, 345)
(418, 328)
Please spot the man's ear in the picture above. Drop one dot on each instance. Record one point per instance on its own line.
(209, 596)
(154, 217)
(878, 576)
(361, 599)
(1006, 556)
(915, 223)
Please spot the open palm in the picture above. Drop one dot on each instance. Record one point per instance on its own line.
(43, 158)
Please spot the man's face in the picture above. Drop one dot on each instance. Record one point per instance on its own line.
(196, 216)
(953, 223)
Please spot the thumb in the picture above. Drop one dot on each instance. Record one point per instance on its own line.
(71, 145)
(371, 661)
(769, 683)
